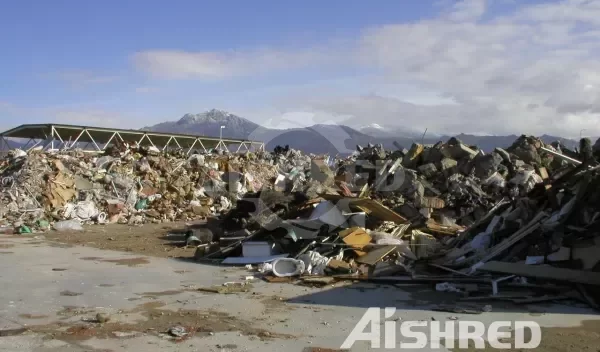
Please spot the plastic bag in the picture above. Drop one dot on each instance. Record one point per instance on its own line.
(265, 268)
(384, 238)
(122, 182)
(82, 210)
(19, 153)
(141, 204)
(85, 210)
(197, 159)
(103, 162)
(144, 166)
(225, 203)
(68, 225)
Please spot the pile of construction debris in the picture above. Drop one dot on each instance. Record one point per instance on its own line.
(446, 214)
(70, 188)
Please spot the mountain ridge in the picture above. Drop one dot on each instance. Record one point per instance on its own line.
(321, 138)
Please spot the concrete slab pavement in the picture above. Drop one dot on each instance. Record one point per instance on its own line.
(55, 291)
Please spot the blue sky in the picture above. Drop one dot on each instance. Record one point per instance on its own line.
(459, 66)
(78, 54)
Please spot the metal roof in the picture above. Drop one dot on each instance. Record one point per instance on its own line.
(101, 135)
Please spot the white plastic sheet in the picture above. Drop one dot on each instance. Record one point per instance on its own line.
(314, 262)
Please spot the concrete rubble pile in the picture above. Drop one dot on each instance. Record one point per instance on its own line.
(132, 186)
(520, 224)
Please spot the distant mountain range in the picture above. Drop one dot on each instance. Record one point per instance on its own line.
(331, 139)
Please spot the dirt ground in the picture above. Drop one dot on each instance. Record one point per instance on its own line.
(581, 338)
(158, 321)
(150, 239)
(154, 240)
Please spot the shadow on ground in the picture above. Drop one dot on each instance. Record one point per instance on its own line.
(425, 297)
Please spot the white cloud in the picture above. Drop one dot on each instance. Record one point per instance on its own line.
(467, 10)
(172, 64)
(533, 71)
(527, 69)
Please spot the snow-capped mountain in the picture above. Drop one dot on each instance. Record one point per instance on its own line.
(331, 139)
(383, 131)
(209, 124)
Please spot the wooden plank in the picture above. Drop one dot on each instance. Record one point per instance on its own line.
(412, 280)
(545, 298)
(433, 226)
(543, 272)
(347, 232)
(369, 206)
(493, 252)
(357, 239)
(276, 279)
(498, 297)
(317, 281)
(448, 269)
(380, 211)
(376, 255)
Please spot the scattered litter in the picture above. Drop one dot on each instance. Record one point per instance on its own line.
(68, 225)
(70, 293)
(228, 288)
(178, 331)
(102, 318)
(129, 334)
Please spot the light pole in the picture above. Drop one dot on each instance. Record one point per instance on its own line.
(221, 137)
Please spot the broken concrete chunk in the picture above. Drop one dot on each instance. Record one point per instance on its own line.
(487, 165)
(412, 157)
(428, 170)
(503, 153)
(447, 163)
(433, 154)
(321, 172)
(526, 149)
(457, 151)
